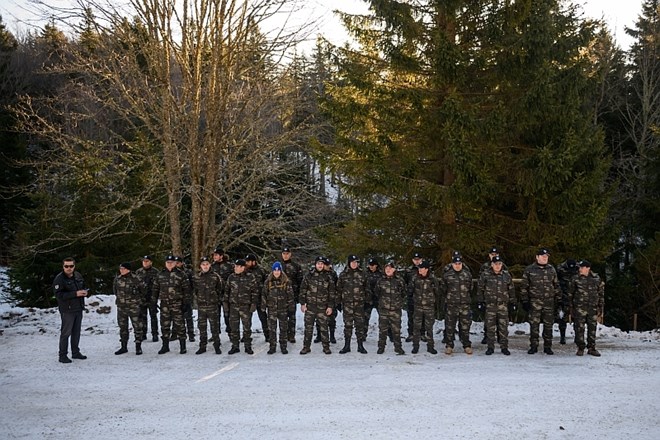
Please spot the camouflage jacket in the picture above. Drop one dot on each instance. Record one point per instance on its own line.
(130, 291)
(148, 277)
(242, 289)
(540, 283)
(449, 267)
(587, 293)
(277, 293)
(352, 288)
(208, 288)
(565, 276)
(223, 269)
(486, 267)
(318, 290)
(172, 287)
(372, 279)
(425, 291)
(391, 293)
(495, 288)
(294, 271)
(456, 287)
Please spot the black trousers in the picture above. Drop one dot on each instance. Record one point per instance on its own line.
(71, 322)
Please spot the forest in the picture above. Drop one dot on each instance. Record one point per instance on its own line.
(180, 126)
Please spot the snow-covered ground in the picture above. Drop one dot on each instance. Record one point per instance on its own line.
(350, 396)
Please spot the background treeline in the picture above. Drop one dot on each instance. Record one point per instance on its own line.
(457, 124)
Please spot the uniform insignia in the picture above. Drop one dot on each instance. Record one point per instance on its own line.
(57, 286)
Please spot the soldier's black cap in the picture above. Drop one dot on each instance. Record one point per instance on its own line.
(203, 259)
(543, 251)
(218, 250)
(496, 259)
(178, 259)
(424, 265)
(494, 250)
(584, 263)
(286, 249)
(571, 264)
(456, 254)
(239, 262)
(352, 258)
(170, 258)
(372, 262)
(417, 255)
(126, 266)
(457, 259)
(147, 257)
(250, 257)
(327, 261)
(319, 258)
(391, 264)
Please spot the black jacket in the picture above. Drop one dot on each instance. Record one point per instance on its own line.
(65, 291)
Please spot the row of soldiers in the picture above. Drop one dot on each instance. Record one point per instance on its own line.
(236, 291)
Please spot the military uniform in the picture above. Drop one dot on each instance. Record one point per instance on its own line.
(208, 290)
(587, 297)
(497, 292)
(540, 292)
(151, 306)
(188, 306)
(456, 289)
(174, 291)
(241, 297)
(224, 269)
(391, 293)
(278, 298)
(565, 272)
(294, 272)
(317, 294)
(372, 299)
(425, 293)
(260, 274)
(131, 298)
(408, 276)
(352, 294)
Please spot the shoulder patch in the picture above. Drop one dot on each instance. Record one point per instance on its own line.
(57, 286)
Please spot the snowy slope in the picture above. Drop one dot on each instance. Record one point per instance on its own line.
(349, 396)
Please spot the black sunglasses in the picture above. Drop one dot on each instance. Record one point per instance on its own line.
(69, 266)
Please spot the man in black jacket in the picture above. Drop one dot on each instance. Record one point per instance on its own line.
(70, 291)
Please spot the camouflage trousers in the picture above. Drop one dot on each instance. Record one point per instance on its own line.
(240, 314)
(458, 313)
(540, 313)
(263, 318)
(410, 313)
(497, 322)
(123, 314)
(591, 321)
(321, 320)
(171, 321)
(275, 316)
(353, 316)
(206, 315)
(332, 321)
(152, 310)
(389, 319)
(425, 317)
(188, 316)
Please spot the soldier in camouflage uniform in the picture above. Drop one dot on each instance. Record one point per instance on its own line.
(241, 296)
(565, 272)
(443, 307)
(147, 274)
(456, 289)
(391, 293)
(497, 296)
(493, 252)
(408, 275)
(294, 272)
(187, 307)
(373, 275)
(278, 298)
(174, 290)
(424, 289)
(540, 292)
(208, 288)
(131, 297)
(223, 268)
(353, 295)
(587, 295)
(260, 274)
(332, 318)
(317, 301)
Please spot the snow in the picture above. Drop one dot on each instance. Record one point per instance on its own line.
(350, 396)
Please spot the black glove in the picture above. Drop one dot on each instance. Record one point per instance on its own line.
(512, 308)
(526, 306)
(481, 306)
(338, 307)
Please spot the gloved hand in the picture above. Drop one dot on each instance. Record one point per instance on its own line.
(526, 306)
(253, 308)
(481, 306)
(512, 308)
(338, 307)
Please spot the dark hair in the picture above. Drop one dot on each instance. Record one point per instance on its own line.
(69, 259)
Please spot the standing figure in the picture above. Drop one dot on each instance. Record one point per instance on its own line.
(187, 306)
(373, 275)
(277, 298)
(241, 296)
(425, 292)
(131, 298)
(352, 294)
(391, 293)
(148, 274)
(294, 272)
(408, 275)
(223, 268)
(69, 289)
(259, 274)
(497, 296)
(587, 294)
(565, 273)
(317, 300)
(173, 289)
(540, 292)
(456, 288)
(208, 290)
(493, 252)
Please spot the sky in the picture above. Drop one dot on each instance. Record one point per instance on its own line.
(617, 13)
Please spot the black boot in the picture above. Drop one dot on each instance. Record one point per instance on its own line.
(154, 338)
(202, 349)
(332, 336)
(361, 348)
(138, 348)
(165, 348)
(283, 348)
(415, 348)
(234, 349)
(317, 339)
(562, 336)
(123, 349)
(182, 344)
(347, 347)
(272, 349)
(216, 346)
